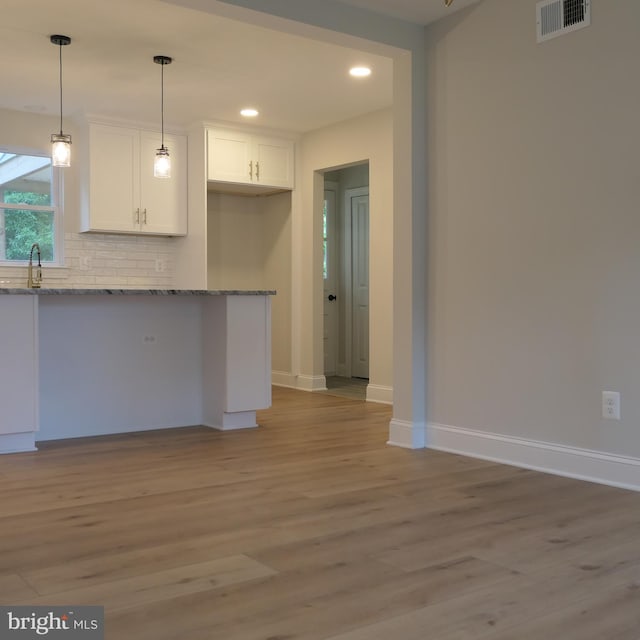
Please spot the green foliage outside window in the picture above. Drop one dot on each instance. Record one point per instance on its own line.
(325, 258)
(24, 227)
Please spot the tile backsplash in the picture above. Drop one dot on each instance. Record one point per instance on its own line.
(105, 261)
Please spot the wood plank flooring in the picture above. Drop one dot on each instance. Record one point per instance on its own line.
(353, 388)
(311, 528)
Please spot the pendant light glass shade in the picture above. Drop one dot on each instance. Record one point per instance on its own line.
(60, 142)
(61, 150)
(162, 162)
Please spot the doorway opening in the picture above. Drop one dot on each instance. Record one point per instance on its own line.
(346, 280)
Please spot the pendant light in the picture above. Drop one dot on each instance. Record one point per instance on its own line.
(60, 142)
(162, 163)
(448, 3)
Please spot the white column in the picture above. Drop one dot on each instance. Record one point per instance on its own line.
(237, 360)
(408, 425)
(18, 372)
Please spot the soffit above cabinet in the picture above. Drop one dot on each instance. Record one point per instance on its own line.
(254, 191)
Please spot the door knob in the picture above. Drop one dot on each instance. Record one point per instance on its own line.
(331, 297)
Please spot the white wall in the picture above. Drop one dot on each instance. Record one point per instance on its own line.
(90, 260)
(369, 138)
(534, 236)
(249, 247)
(278, 276)
(235, 242)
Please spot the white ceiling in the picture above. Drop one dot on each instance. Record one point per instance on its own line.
(417, 11)
(220, 65)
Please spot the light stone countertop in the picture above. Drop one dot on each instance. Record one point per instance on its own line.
(134, 292)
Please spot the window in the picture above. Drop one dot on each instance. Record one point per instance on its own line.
(329, 270)
(325, 257)
(28, 208)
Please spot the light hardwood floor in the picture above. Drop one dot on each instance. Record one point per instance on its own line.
(311, 528)
(352, 388)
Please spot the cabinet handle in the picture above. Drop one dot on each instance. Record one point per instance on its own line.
(138, 215)
(144, 216)
(258, 171)
(251, 170)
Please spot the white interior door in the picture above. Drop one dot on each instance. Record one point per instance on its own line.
(330, 273)
(360, 285)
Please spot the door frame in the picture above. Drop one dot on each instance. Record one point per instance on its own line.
(347, 275)
(334, 262)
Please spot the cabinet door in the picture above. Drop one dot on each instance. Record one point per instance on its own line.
(229, 157)
(113, 179)
(274, 159)
(163, 201)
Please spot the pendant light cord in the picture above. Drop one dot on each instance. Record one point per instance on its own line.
(162, 103)
(162, 61)
(60, 47)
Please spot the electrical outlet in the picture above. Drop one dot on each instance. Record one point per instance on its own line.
(161, 265)
(611, 405)
(149, 339)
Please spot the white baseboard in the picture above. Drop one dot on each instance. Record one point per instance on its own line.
(311, 383)
(572, 462)
(18, 442)
(375, 393)
(407, 435)
(302, 383)
(378, 393)
(236, 420)
(283, 379)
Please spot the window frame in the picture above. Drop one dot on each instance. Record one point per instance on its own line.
(56, 206)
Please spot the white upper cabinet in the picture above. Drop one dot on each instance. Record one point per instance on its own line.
(230, 156)
(237, 157)
(163, 201)
(123, 194)
(274, 162)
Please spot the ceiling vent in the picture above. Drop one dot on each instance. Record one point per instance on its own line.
(557, 17)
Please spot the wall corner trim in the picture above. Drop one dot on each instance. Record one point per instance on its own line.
(379, 393)
(408, 435)
(311, 383)
(18, 442)
(283, 379)
(300, 382)
(572, 462)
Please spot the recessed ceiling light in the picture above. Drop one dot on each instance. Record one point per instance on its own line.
(249, 113)
(360, 72)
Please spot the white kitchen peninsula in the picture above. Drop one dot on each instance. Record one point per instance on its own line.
(93, 362)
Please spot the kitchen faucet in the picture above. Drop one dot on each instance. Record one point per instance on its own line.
(34, 282)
